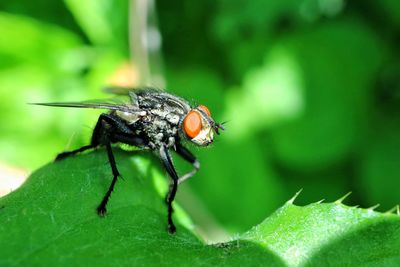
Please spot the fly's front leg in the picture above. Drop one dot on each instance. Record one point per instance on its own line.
(188, 156)
(167, 162)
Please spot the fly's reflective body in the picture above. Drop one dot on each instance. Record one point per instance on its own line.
(149, 119)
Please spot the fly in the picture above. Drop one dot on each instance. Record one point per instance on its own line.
(150, 120)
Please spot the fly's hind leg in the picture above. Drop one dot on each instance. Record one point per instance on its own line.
(99, 134)
(66, 154)
(96, 138)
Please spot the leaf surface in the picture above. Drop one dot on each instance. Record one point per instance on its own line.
(51, 221)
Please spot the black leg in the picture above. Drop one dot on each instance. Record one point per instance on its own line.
(116, 122)
(128, 139)
(166, 160)
(103, 134)
(110, 129)
(188, 156)
(73, 152)
(102, 208)
(115, 137)
(99, 134)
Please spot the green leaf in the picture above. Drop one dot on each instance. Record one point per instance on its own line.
(51, 221)
(330, 235)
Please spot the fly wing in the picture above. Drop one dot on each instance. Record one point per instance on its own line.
(132, 93)
(115, 90)
(112, 104)
(149, 94)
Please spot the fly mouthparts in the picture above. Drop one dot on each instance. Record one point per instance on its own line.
(218, 126)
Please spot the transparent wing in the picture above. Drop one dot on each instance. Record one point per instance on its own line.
(115, 90)
(112, 104)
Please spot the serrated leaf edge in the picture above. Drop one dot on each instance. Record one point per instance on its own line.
(291, 201)
(340, 200)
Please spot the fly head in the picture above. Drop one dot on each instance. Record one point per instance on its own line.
(199, 127)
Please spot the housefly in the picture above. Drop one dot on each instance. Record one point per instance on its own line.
(149, 119)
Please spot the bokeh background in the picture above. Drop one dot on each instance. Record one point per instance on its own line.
(310, 90)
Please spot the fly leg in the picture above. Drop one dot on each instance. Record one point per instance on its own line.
(167, 162)
(102, 208)
(73, 152)
(189, 157)
(98, 134)
(108, 130)
(113, 138)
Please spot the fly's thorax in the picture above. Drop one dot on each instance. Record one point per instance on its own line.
(169, 116)
(197, 126)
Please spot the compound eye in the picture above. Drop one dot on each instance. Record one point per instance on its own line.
(205, 109)
(192, 124)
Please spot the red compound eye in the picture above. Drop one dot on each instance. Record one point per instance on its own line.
(192, 124)
(205, 109)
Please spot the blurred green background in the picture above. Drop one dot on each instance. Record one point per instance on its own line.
(310, 90)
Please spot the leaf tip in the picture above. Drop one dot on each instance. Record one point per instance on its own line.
(291, 201)
(340, 200)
